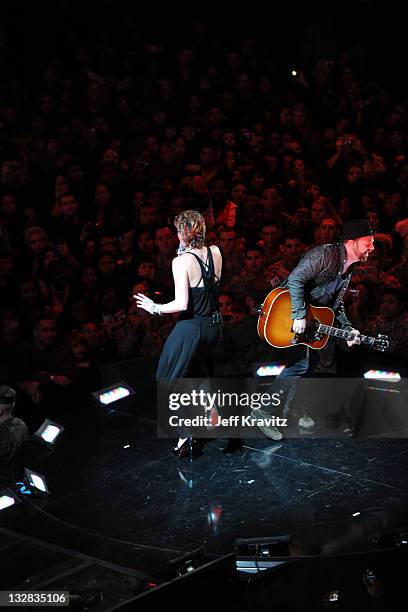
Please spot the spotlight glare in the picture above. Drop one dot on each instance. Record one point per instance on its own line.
(49, 432)
(382, 375)
(36, 481)
(7, 499)
(114, 393)
(269, 369)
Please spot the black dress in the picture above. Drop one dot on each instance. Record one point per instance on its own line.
(196, 332)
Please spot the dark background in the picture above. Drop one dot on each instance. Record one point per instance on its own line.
(292, 31)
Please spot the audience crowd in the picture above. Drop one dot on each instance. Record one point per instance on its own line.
(110, 144)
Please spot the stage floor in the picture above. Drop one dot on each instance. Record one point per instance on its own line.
(119, 501)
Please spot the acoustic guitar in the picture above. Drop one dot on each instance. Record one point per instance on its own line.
(275, 325)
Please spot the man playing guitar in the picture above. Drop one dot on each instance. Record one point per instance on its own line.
(321, 278)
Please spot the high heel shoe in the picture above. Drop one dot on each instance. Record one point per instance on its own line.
(191, 447)
(234, 445)
(184, 450)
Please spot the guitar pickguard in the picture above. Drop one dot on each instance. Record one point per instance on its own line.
(311, 334)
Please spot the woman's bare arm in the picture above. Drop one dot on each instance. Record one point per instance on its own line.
(181, 287)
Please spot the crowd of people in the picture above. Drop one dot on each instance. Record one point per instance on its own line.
(100, 155)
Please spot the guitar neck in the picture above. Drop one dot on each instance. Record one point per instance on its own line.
(342, 333)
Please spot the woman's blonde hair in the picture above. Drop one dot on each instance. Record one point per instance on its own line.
(191, 225)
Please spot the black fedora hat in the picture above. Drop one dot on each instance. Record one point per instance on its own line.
(357, 228)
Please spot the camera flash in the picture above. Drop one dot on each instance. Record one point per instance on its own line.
(294, 73)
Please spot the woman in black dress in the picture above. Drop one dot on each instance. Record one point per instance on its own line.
(196, 273)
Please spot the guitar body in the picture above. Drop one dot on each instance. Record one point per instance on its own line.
(275, 322)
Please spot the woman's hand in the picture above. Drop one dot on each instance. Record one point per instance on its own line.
(144, 302)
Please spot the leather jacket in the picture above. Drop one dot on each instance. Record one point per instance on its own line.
(318, 279)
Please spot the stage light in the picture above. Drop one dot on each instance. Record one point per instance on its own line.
(114, 393)
(49, 432)
(393, 377)
(254, 565)
(7, 499)
(255, 555)
(186, 563)
(268, 369)
(402, 539)
(390, 538)
(35, 481)
(331, 599)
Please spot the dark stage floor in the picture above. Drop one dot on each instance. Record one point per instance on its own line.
(121, 506)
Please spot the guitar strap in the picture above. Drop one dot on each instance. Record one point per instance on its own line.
(341, 293)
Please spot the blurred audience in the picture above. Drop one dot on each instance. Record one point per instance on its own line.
(95, 164)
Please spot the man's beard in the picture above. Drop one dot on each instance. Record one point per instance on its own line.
(364, 256)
